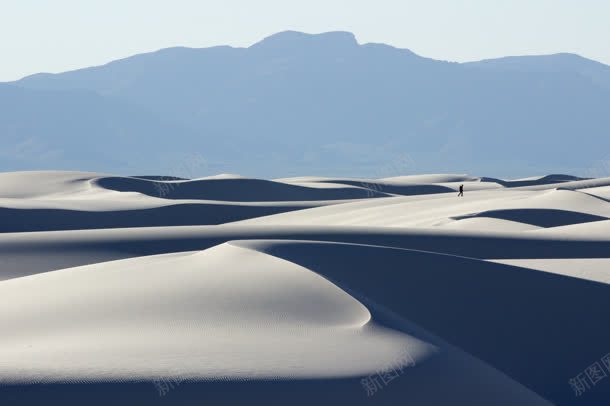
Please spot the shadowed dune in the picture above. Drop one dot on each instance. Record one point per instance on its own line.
(29, 253)
(406, 190)
(537, 217)
(516, 319)
(267, 310)
(292, 291)
(27, 220)
(535, 181)
(239, 189)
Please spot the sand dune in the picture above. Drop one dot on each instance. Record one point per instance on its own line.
(43, 201)
(297, 289)
(288, 321)
(234, 189)
(545, 208)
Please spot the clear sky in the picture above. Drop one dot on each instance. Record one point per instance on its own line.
(59, 35)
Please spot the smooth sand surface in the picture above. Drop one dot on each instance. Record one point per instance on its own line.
(301, 290)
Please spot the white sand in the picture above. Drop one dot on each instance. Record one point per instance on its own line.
(115, 279)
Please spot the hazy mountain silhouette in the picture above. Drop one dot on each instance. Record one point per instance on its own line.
(297, 103)
(557, 63)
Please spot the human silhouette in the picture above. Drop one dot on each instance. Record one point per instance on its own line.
(461, 191)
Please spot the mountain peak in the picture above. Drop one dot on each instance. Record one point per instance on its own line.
(295, 38)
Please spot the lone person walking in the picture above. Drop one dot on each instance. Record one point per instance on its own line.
(461, 191)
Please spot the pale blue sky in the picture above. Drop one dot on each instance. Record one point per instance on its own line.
(58, 35)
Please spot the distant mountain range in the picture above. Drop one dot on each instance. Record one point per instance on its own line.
(321, 104)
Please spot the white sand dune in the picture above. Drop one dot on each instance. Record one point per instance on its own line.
(42, 201)
(286, 320)
(292, 291)
(547, 208)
